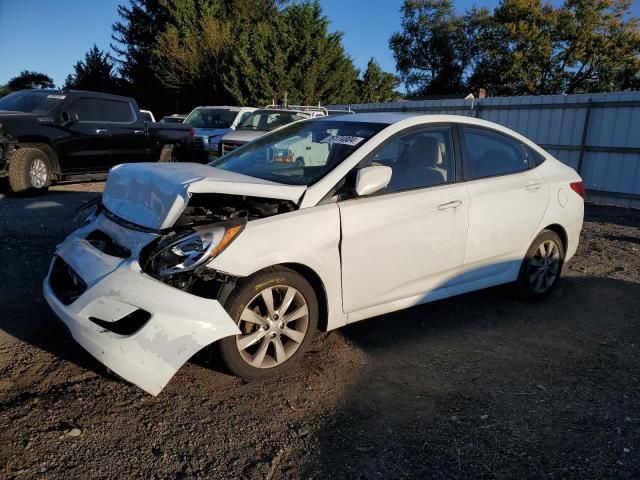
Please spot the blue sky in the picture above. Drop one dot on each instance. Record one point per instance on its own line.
(50, 36)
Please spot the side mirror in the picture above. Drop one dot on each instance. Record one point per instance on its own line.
(372, 179)
(70, 117)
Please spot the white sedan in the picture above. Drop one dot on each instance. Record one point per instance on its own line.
(255, 255)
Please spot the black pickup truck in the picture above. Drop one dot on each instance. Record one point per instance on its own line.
(63, 135)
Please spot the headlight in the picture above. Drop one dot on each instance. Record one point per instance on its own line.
(185, 251)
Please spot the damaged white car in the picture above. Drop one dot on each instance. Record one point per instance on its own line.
(256, 254)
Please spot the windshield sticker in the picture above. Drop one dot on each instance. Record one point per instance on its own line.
(57, 97)
(342, 140)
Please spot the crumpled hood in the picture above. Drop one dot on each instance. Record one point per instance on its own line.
(153, 195)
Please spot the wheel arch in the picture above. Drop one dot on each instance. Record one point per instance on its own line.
(46, 148)
(561, 232)
(318, 287)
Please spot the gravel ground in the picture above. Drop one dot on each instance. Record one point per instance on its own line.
(480, 386)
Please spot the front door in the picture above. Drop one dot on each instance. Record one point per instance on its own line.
(86, 145)
(409, 239)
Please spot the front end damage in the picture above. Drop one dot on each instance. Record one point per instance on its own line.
(141, 299)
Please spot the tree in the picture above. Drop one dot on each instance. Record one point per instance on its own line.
(95, 73)
(522, 47)
(27, 80)
(377, 85)
(135, 39)
(292, 52)
(432, 52)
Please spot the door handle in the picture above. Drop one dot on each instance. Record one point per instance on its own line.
(533, 186)
(138, 132)
(452, 204)
(101, 131)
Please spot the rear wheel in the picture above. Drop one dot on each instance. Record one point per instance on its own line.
(541, 268)
(277, 313)
(29, 170)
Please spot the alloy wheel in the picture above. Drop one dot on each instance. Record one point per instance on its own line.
(38, 173)
(273, 324)
(544, 266)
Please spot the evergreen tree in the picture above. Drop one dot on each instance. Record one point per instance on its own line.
(95, 73)
(377, 85)
(291, 53)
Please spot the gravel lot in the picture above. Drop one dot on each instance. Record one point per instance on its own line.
(480, 386)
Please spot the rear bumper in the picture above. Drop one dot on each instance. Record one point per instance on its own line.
(180, 324)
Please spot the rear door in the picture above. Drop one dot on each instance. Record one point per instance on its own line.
(508, 202)
(128, 133)
(409, 239)
(87, 143)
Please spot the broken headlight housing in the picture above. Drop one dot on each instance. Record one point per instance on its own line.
(183, 251)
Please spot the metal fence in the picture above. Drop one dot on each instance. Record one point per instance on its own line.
(597, 134)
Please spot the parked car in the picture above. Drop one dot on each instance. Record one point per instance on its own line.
(147, 116)
(257, 255)
(175, 118)
(76, 135)
(211, 123)
(263, 121)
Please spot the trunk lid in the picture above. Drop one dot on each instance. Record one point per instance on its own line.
(153, 195)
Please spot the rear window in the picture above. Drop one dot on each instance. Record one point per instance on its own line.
(116, 111)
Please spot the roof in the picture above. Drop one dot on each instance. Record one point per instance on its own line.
(226, 107)
(379, 117)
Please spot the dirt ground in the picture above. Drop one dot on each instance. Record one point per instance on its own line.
(480, 386)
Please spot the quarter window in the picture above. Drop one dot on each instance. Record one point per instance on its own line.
(490, 154)
(420, 158)
(116, 111)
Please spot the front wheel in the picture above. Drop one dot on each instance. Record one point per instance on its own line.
(540, 270)
(277, 313)
(29, 170)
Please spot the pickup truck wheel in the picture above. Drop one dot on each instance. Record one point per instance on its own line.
(167, 154)
(29, 170)
(277, 313)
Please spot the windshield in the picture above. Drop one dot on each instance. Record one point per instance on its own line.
(266, 121)
(301, 153)
(31, 101)
(211, 118)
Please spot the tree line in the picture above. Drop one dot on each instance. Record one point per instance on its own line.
(174, 54)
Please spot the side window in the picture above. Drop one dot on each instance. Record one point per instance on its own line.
(243, 117)
(87, 110)
(490, 154)
(420, 158)
(116, 111)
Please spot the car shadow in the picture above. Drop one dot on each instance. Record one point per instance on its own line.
(485, 385)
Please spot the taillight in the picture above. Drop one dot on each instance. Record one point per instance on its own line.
(578, 187)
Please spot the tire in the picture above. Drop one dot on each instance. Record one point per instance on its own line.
(300, 162)
(167, 154)
(29, 171)
(273, 343)
(540, 273)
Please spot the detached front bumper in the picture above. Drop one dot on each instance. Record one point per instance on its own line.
(179, 324)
